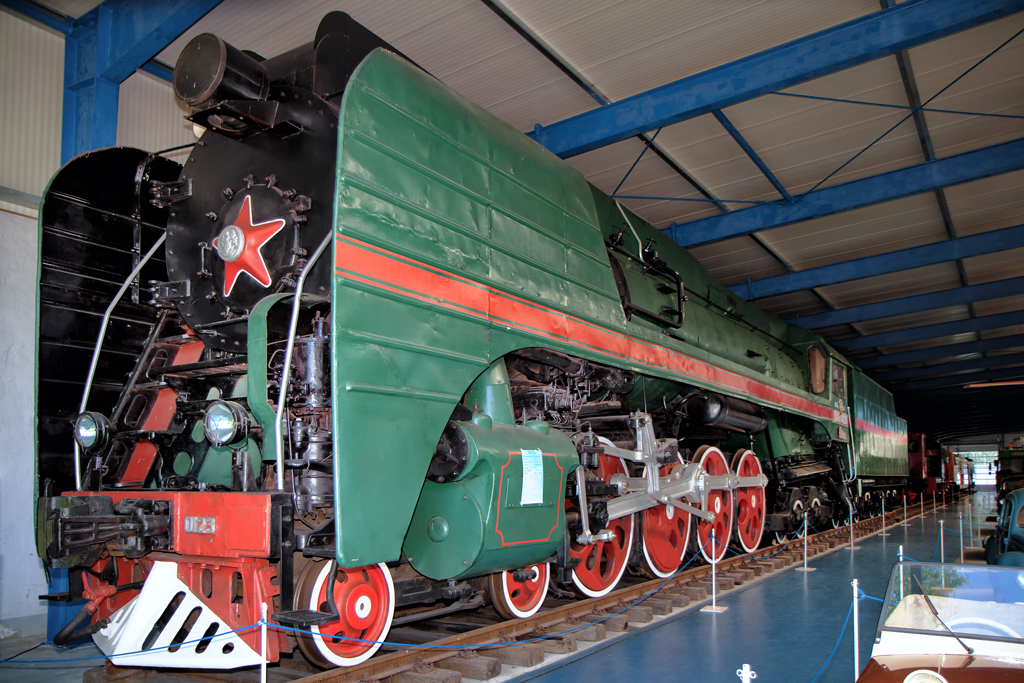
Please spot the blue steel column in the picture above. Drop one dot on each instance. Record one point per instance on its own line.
(103, 48)
(90, 100)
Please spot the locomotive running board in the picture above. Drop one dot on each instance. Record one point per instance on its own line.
(205, 645)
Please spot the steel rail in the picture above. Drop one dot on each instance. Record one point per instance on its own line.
(566, 615)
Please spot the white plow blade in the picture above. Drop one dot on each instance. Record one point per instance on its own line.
(133, 624)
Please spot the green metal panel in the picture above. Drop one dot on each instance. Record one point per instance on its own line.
(880, 437)
(459, 240)
(487, 520)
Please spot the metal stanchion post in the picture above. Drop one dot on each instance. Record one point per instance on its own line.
(904, 508)
(935, 502)
(851, 546)
(942, 543)
(746, 674)
(961, 515)
(713, 607)
(805, 568)
(970, 521)
(901, 573)
(263, 644)
(884, 533)
(856, 632)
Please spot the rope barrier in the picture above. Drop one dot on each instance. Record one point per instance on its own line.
(280, 627)
(137, 652)
(836, 647)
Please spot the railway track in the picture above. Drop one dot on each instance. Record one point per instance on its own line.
(477, 645)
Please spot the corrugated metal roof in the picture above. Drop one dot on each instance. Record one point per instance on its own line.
(893, 285)
(994, 87)
(736, 260)
(987, 204)
(72, 8)
(629, 47)
(996, 266)
(624, 48)
(872, 230)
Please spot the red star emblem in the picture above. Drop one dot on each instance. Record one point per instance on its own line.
(239, 245)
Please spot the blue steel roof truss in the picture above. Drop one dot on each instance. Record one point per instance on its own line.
(110, 42)
(891, 31)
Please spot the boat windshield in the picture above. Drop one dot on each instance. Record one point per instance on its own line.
(976, 601)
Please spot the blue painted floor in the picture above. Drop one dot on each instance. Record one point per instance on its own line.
(784, 628)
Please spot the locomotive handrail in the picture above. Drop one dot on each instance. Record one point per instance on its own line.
(289, 349)
(99, 344)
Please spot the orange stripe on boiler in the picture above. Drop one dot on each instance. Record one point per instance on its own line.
(425, 282)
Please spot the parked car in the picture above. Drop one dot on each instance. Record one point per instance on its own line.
(945, 623)
(1006, 545)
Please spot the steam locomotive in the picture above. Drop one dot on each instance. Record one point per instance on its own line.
(395, 354)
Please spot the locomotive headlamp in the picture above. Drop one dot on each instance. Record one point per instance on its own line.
(209, 71)
(225, 423)
(91, 431)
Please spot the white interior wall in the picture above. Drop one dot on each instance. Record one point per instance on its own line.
(21, 572)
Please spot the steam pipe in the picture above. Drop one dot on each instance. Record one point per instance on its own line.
(289, 350)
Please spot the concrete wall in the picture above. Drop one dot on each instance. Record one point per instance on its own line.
(21, 572)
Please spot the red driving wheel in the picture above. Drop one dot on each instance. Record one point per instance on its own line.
(365, 600)
(602, 564)
(664, 535)
(713, 462)
(750, 507)
(520, 599)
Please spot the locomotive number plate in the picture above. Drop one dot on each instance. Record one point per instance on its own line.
(200, 525)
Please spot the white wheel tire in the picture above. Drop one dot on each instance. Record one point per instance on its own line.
(797, 505)
(521, 614)
(318, 639)
(615, 582)
(670, 512)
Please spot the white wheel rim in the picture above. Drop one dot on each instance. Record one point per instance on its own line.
(670, 513)
(753, 503)
(722, 543)
(318, 639)
(797, 505)
(590, 593)
(522, 614)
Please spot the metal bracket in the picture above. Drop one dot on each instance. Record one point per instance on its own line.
(585, 537)
(165, 194)
(166, 294)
